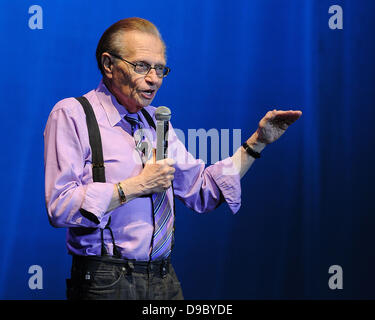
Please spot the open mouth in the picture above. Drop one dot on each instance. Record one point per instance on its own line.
(148, 94)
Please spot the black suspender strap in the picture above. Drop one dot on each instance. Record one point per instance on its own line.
(98, 172)
(149, 119)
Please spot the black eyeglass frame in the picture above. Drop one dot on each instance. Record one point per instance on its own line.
(166, 69)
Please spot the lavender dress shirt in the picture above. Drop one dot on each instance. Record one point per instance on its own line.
(69, 185)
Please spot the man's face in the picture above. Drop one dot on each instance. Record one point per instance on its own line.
(133, 90)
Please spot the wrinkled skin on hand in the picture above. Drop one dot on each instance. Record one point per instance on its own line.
(274, 124)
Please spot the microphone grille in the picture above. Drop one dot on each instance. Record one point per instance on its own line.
(162, 114)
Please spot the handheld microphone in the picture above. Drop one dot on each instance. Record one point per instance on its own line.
(162, 115)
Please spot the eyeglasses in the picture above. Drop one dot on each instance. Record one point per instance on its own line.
(144, 68)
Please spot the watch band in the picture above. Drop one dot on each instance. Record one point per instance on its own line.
(121, 193)
(250, 151)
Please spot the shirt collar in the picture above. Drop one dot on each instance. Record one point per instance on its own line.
(115, 111)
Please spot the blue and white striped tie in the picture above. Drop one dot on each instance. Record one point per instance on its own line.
(163, 231)
(163, 215)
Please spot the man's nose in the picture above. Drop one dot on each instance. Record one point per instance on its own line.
(152, 77)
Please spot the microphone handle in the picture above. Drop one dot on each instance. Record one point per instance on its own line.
(162, 128)
(165, 149)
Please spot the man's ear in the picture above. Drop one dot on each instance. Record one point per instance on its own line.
(107, 65)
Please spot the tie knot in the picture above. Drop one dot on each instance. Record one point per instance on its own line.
(132, 118)
(134, 121)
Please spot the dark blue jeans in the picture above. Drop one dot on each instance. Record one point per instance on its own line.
(105, 278)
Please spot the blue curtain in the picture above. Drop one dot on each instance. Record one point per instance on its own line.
(307, 203)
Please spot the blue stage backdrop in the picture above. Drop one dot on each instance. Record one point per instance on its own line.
(307, 204)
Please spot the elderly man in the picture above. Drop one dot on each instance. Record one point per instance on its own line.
(119, 212)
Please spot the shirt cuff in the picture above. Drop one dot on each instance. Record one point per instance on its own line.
(97, 198)
(228, 180)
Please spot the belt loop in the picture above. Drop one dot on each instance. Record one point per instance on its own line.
(163, 268)
(129, 268)
(149, 269)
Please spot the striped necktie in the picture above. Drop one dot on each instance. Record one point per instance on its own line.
(163, 215)
(135, 124)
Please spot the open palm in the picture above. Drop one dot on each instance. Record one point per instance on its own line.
(275, 123)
